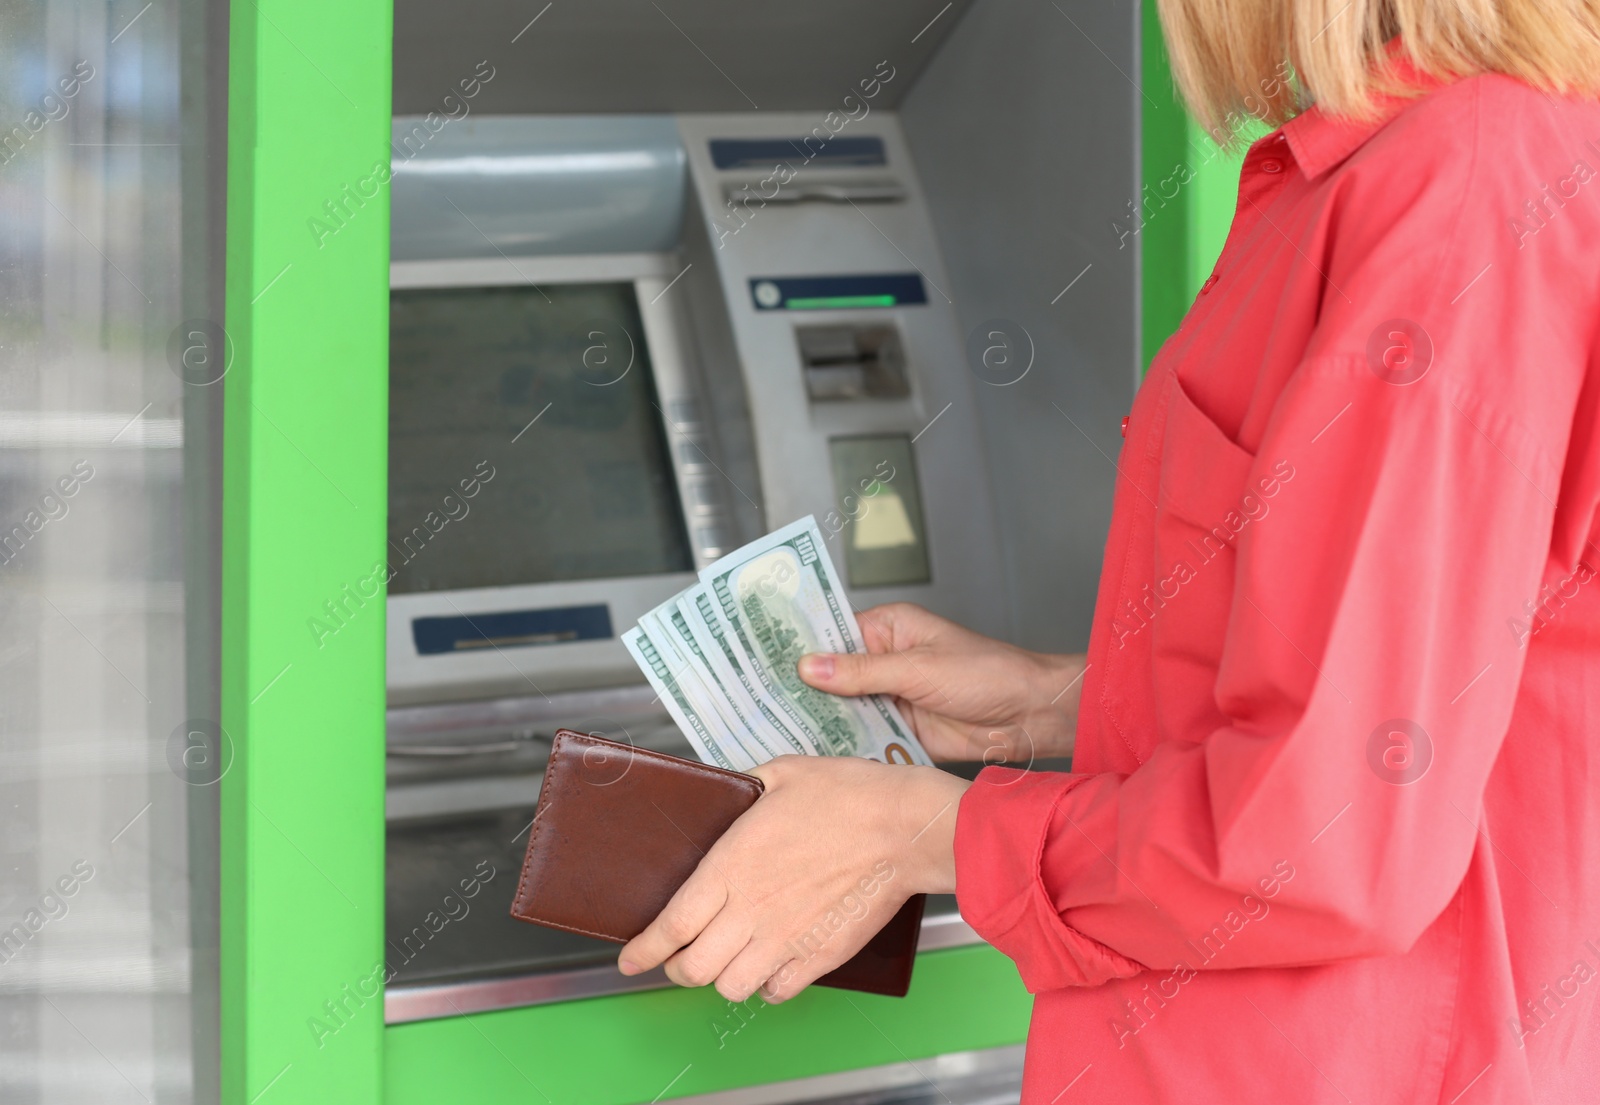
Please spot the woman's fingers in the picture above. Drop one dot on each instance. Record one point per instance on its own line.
(790, 979)
(781, 986)
(798, 884)
(800, 972)
(751, 969)
(685, 917)
(707, 958)
(853, 673)
(878, 627)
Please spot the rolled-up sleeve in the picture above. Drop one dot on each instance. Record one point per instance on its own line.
(1370, 661)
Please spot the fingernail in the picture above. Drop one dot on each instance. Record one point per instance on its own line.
(816, 667)
(626, 967)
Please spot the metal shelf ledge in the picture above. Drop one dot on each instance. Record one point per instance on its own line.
(421, 1002)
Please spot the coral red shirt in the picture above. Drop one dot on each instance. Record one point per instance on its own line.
(1333, 831)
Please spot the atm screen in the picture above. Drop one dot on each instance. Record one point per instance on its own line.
(525, 440)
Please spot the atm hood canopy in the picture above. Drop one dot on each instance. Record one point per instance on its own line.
(635, 56)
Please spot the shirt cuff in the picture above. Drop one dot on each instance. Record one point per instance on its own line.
(1003, 823)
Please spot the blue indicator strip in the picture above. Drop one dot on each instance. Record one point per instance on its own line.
(511, 629)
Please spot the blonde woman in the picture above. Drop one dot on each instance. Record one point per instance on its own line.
(1333, 829)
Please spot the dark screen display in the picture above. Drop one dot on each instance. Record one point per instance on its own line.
(525, 441)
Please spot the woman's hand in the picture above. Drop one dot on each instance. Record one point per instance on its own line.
(968, 697)
(806, 876)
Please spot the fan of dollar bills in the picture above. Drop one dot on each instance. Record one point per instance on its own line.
(721, 655)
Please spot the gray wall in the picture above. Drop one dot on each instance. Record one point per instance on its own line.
(659, 55)
(1024, 130)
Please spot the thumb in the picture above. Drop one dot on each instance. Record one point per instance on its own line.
(853, 673)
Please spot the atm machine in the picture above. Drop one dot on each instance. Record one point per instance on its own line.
(637, 356)
(622, 345)
(620, 348)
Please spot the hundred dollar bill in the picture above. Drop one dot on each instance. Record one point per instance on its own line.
(721, 655)
(725, 725)
(702, 732)
(743, 726)
(780, 598)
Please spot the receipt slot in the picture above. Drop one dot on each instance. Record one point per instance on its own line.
(853, 362)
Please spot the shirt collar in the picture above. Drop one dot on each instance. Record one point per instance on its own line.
(1320, 141)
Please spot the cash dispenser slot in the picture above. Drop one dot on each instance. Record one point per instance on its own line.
(768, 190)
(833, 152)
(863, 361)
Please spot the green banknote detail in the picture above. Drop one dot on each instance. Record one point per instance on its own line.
(666, 684)
(714, 626)
(748, 731)
(782, 645)
(780, 600)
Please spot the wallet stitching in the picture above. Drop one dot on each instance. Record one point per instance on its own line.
(520, 903)
(533, 836)
(609, 936)
(737, 776)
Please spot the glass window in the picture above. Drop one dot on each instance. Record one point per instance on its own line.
(880, 511)
(525, 440)
(112, 119)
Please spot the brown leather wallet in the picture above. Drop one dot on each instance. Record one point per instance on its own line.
(619, 829)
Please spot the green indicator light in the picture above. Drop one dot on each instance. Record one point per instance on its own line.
(824, 302)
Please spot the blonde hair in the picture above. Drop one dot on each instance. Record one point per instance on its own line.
(1238, 60)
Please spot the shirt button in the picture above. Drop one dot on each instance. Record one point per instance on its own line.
(1271, 165)
(1125, 425)
(1210, 282)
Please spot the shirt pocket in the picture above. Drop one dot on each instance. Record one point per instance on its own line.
(1204, 505)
